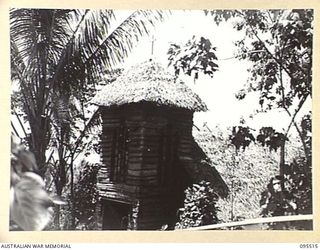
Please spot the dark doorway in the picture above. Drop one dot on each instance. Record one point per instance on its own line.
(115, 215)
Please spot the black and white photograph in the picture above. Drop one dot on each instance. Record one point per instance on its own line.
(161, 120)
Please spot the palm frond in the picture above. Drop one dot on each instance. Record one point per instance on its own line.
(70, 46)
(118, 43)
(93, 122)
(95, 46)
(87, 28)
(23, 31)
(37, 36)
(17, 63)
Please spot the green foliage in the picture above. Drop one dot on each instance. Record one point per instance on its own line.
(245, 173)
(199, 206)
(246, 176)
(86, 196)
(196, 56)
(278, 43)
(80, 211)
(306, 131)
(270, 138)
(291, 193)
(241, 137)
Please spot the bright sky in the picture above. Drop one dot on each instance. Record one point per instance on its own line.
(217, 92)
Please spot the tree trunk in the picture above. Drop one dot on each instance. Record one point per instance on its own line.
(57, 218)
(232, 193)
(73, 219)
(57, 207)
(282, 159)
(305, 147)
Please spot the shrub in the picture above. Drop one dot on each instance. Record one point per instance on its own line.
(199, 206)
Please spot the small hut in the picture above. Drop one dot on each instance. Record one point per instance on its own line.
(147, 148)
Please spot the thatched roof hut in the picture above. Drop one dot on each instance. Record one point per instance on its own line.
(148, 149)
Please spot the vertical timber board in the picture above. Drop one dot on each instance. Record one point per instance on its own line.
(154, 119)
(145, 168)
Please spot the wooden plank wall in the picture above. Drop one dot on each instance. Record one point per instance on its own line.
(151, 156)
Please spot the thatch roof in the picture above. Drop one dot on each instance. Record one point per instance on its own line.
(148, 82)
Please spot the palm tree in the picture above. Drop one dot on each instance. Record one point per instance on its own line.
(57, 56)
